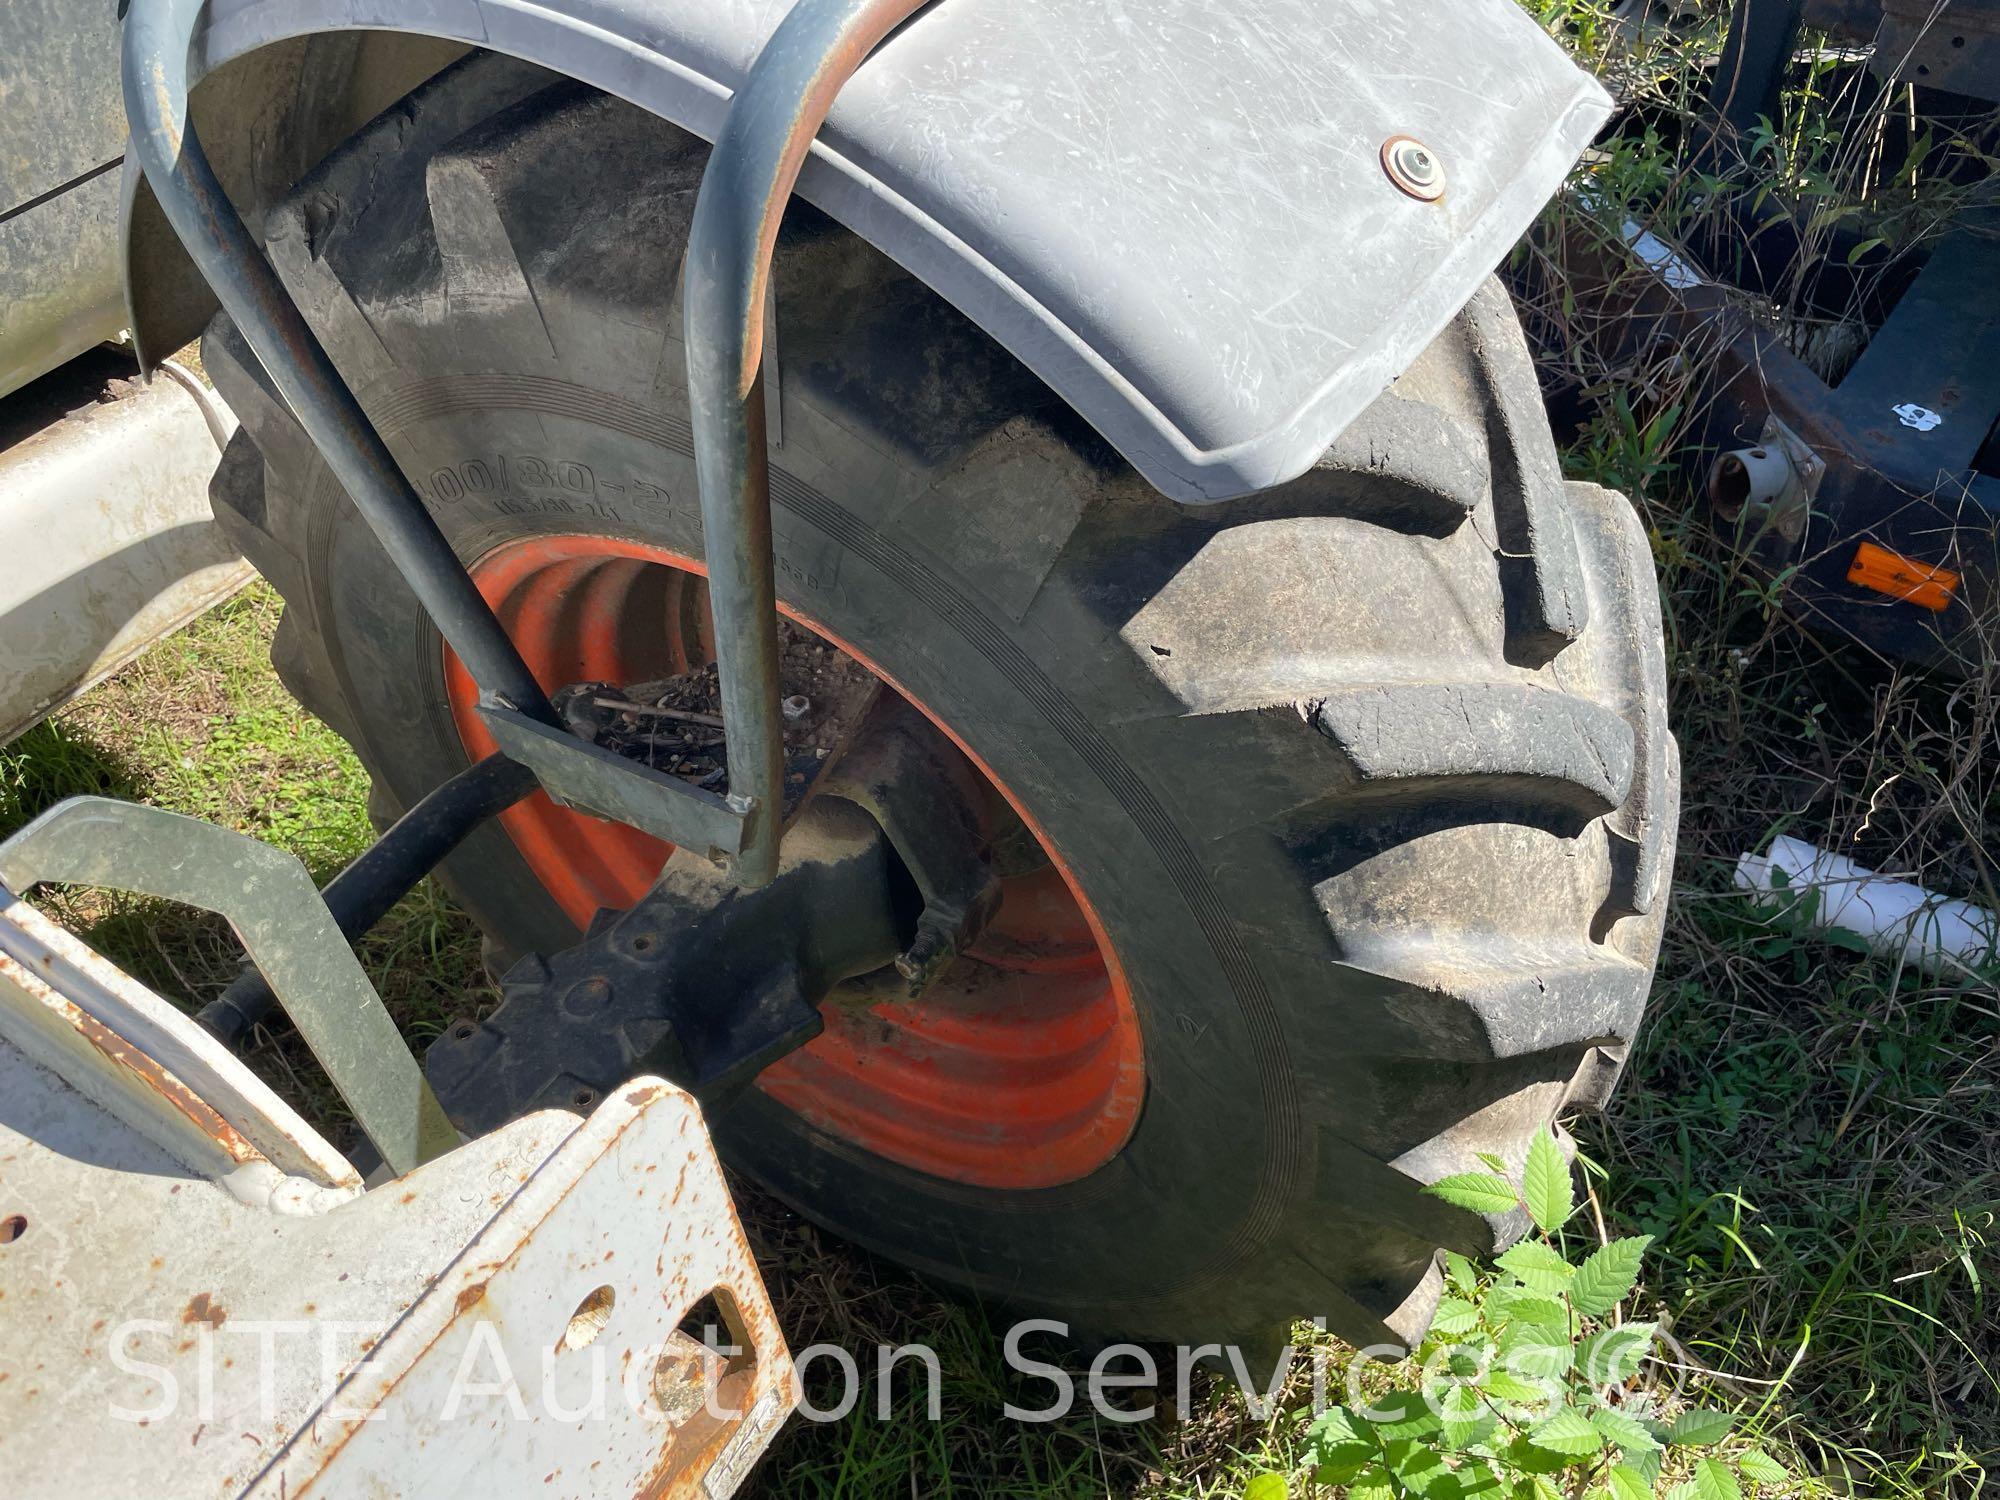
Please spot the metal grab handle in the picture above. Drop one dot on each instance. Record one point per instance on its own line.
(154, 63)
(387, 871)
(756, 161)
(750, 175)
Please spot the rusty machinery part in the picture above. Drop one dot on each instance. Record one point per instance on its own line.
(1344, 809)
(890, 868)
(1952, 48)
(127, 1125)
(1815, 460)
(1898, 456)
(268, 899)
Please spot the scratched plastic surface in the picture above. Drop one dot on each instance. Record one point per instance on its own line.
(1174, 211)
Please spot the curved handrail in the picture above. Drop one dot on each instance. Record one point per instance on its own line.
(154, 62)
(750, 175)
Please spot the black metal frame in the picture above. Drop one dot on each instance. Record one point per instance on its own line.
(361, 895)
(1926, 487)
(751, 172)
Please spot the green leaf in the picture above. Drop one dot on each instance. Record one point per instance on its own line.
(1338, 1425)
(1538, 1267)
(1627, 1483)
(1476, 1191)
(1603, 1280)
(1612, 1356)
(1646, 1463)
(1755, 1463)
(1372, 1483)
(1341, 1444)
(1454, 1315)
(1700, 1427)
(1566, 1431)
(1457, 1401)
(1267, 1487)
(1513, 1304)
(1545, 1184)
(1680, 1492)
(1537, 1487)
(1416, 1465)
(1403, 1414)
(1536, 1349)
(1622, 1430)
(1461, 1273)
(1526, 1458)
(1337, 1473)
(1467, 1360)
(1464, 1417)
(1462, 1436)
(1506, 1386)
(1713, 1481)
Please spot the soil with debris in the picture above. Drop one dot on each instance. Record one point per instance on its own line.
(674, 724)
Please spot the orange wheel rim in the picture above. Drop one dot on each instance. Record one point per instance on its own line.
(1022, 1066)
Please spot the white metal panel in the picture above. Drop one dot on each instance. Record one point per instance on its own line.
(108, 543)
(169, 1326)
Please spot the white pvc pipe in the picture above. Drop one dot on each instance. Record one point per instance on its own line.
(1899, 918)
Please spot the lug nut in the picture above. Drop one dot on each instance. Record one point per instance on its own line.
(1413, 167)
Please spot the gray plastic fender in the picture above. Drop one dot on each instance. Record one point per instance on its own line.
(1174, 211)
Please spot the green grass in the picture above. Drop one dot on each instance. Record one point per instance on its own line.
(1813, 1135)
(1811, 1132)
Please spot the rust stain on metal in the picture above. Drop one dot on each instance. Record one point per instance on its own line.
(202, 1308)
(135, 1063)
(705, 1253)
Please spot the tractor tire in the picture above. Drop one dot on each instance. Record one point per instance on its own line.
(1361, 787)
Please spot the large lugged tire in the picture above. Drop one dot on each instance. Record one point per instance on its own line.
(1362, 785)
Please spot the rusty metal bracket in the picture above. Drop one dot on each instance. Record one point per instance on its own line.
(160, 1202)
(270, 900)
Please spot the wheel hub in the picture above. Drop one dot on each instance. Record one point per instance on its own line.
(700, 982)
(1017, 1064)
